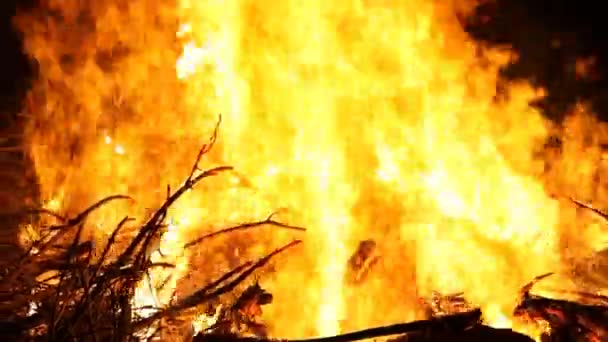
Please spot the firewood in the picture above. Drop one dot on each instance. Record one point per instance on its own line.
(479, 333)
(243, 317)
(567, 320)
(362, 261)
(446, 325)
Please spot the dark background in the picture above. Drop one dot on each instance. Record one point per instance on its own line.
(532, 27)
(14, 67)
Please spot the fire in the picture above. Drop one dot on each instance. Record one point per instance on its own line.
(365, 119)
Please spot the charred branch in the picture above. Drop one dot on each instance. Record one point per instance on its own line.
(566, 320)
(444, 325)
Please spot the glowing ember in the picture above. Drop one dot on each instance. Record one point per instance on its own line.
(365, 119)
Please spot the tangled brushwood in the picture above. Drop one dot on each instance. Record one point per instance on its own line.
(60, 289)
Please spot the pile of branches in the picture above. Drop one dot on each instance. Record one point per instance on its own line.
(61, 289)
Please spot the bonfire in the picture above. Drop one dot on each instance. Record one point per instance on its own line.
(384, 181)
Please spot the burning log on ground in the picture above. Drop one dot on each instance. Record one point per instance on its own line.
(463, 326)
(566, 320)
(447, 324)
(478, 333)
(450, 317)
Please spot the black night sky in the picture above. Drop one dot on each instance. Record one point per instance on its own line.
(14, 67)
(531, 26)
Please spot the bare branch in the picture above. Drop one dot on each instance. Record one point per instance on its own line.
(244, 226)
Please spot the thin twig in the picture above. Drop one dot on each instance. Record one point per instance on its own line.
(589, 207)
(244, 226)
(258, 264)
(85, 213)
(47, 212)
(152, 225)
(205, 149)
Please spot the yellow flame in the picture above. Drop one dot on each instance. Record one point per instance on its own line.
(365, 119)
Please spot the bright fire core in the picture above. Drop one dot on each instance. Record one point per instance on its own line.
(362, 119)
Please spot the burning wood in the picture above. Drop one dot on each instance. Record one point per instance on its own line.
(448, 324)
(117, 91)
(566, 320)
(78, 295)
(362, 261)
(73, 285)
(243, 317)
(478, 333)
(440, 305)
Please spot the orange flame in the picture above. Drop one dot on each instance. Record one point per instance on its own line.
(366, 119)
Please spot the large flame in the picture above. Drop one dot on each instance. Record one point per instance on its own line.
(364, 119)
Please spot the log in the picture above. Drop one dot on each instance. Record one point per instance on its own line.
(445, 325)
(479, 333)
